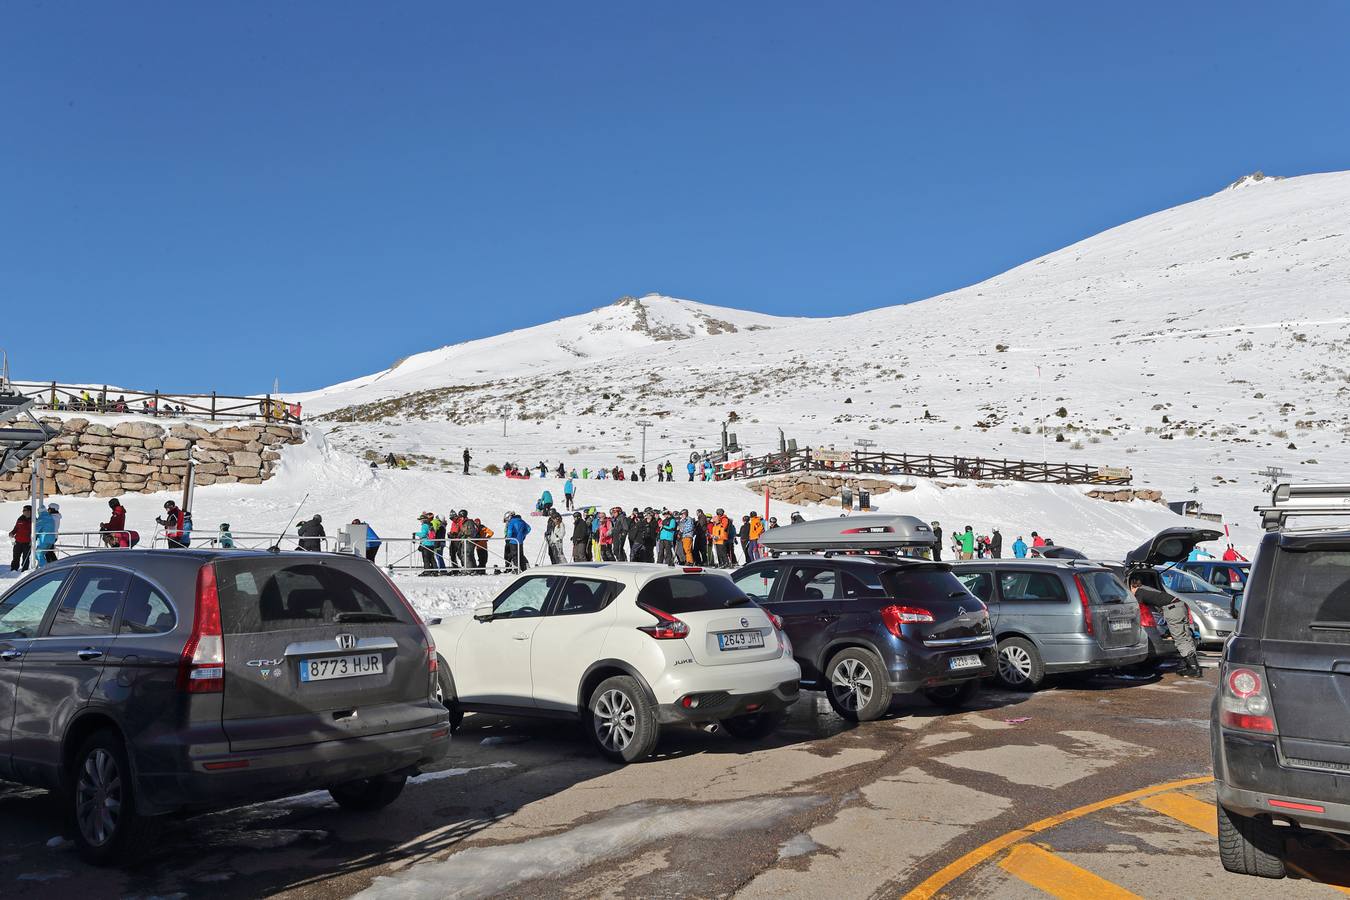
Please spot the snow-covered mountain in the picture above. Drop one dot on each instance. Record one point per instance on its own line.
(1196, 345)
(630, 323)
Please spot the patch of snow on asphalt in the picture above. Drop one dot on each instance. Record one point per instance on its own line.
(800, 845)
(479, 871)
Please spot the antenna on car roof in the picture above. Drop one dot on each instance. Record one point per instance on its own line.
(276, 548)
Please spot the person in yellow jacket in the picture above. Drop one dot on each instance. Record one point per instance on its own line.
(756, 532)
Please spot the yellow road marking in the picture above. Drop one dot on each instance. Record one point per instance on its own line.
(1185, 809)
(1058, 877)
(955, 869)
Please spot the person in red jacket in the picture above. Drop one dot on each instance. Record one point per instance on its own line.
(116, 525)
(172, 521)
(22, 533)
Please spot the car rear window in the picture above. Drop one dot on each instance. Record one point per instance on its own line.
(1106, 587)
(264, 595)
(927, 584)
(692, 593)
(1310, 597)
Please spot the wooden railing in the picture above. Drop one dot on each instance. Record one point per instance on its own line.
(105, 400)
(923, 465)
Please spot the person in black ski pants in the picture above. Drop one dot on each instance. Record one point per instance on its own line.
(1174, 611)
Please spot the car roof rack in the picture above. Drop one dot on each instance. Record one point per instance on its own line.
(1304, 500)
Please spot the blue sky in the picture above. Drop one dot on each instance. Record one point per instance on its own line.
(207, 196)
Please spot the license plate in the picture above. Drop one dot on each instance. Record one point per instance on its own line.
(964, 662)
(739, 640)
(330, 667)
(1122, 625)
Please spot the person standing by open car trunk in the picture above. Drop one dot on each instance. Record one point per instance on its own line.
(1174, 611)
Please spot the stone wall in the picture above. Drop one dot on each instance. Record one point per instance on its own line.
(88, 459)
(800, 488)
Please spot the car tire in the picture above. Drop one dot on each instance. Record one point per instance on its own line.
(1019, 665)
(445, 693)
(857, 685)
(1250, 846)
(953, 696)
(621, 721)
(368, 794)
(753, 726)
(108, 827)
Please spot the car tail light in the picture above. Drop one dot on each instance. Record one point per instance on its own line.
(777, 622)
(895, 616)
(1301, 807)
(667, 627)
(692, 570)
(1146, 617)
(201, 669)
(1245, 703)
(1085, 601)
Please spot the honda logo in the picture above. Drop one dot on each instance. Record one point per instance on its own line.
(346, 641)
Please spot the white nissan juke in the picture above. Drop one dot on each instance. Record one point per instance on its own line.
(625, 647)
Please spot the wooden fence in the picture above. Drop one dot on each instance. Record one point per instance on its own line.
(923, 465)
(115, 401)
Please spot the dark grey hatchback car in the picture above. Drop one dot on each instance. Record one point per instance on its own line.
(142, 683)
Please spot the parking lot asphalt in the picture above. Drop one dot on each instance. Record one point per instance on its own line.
(1098, 786)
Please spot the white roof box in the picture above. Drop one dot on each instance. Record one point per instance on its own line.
(868, 532)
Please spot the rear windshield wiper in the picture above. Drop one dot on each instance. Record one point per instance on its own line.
(736, 601)
(364, 617)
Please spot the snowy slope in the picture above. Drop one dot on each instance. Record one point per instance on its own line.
(1197, 345)
(628, 324)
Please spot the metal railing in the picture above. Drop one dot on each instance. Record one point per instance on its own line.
(105, 400)
(925, 465)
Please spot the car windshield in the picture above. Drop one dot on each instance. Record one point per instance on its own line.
(1186, 583)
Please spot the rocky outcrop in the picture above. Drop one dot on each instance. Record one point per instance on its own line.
(1125, 495)
(800, 488)
(143, 457)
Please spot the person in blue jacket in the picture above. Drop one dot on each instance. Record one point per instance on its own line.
(569, 490)
(516, 530)
(372, 540)
(44, 534)
(1020, 548)
(692, 469)
(545, 504)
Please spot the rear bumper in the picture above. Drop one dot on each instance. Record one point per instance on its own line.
(916, 668)
(712, 705)
(1082, 653)
(1248, 775)
(268, 774)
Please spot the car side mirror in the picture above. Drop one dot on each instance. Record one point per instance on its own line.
(483, 613)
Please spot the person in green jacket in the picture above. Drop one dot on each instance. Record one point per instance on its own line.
(967, 541)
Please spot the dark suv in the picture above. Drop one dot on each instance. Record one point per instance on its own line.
(864, 628)
(1280, 727)
(138, 683)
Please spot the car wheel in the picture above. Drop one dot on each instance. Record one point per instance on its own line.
(753, 726)
(107, 826)
(859, 688)
(622, 720)
(368, 794)
(953, 696)
(445, 694)
(1019, 664)
(1250, 846)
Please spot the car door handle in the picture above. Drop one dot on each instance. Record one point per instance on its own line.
(521, 636)
(824, 616)
(11, 655)
(89, 653)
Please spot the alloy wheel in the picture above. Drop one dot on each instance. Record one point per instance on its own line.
(615, 720)
(1014, 664)
(851, 683)
(98, 796)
